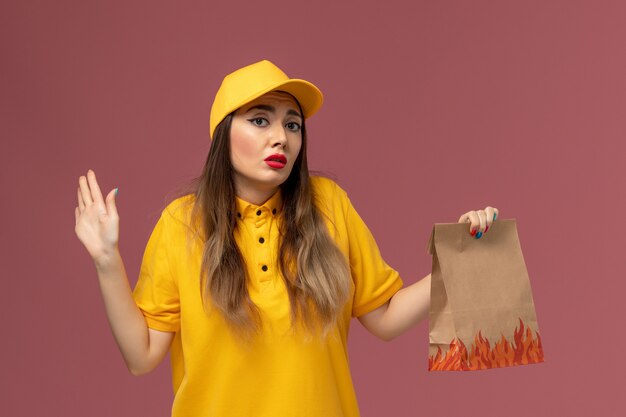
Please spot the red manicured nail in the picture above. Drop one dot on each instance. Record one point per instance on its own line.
(473, 232)
(486, 228)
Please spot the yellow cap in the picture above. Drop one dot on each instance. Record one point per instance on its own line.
(251, 82)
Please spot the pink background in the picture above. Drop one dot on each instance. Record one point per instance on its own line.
(432, 109)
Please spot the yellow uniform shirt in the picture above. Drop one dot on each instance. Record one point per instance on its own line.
(284, 375)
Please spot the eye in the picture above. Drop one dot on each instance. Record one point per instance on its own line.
(259, 121)
(293, 126)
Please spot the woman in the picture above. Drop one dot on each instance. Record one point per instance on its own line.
(251, 281)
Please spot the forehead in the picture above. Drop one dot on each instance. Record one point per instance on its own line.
(273, 98)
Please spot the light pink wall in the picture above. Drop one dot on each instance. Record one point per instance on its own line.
(432, 109)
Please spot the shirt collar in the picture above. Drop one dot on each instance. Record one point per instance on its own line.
(272, 206)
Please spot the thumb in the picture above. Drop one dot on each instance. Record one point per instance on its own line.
(110, 203)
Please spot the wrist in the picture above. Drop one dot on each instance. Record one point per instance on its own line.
(107, 260)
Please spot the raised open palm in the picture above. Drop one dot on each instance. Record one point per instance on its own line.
(97, 220)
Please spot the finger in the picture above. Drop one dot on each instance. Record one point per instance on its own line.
(489, 213)
(473, 219)
(76, 214)
(84, 191)
(95, 189)
(81, 203)
(480, 224)
(482, 220)
(110, 202)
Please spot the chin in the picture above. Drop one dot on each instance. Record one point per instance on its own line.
(265, 180)
(266, 183)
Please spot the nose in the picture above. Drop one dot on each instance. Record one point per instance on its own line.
(279, 136)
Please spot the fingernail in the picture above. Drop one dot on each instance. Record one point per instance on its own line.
(478, 235)
(486, 228)
(116, 191)
(495, 215)
(473, 232)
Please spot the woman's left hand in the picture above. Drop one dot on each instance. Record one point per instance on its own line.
(480, 220)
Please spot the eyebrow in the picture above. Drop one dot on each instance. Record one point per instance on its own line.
(272, 109)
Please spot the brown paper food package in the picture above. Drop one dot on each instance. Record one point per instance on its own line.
(482, 314)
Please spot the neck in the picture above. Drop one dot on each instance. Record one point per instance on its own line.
(256, 196)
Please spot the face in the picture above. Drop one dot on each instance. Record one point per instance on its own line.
(265, 140)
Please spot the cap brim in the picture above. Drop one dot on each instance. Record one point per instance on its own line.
(308, 95)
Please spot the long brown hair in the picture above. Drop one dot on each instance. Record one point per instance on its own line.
(315, 271)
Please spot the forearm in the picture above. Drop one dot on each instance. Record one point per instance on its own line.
(406, 308)
(126, 320)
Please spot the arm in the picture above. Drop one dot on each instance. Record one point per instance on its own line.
(142, 348)
(97, 227)
(404, 310)
(410, 305)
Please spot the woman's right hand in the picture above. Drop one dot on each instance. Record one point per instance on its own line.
(97, 221)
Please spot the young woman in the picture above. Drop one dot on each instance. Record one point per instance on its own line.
(251, 280)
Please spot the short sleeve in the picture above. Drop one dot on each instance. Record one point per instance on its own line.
(375, 281)
(156, 291)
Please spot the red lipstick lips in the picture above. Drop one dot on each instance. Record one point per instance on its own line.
(277, 161)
